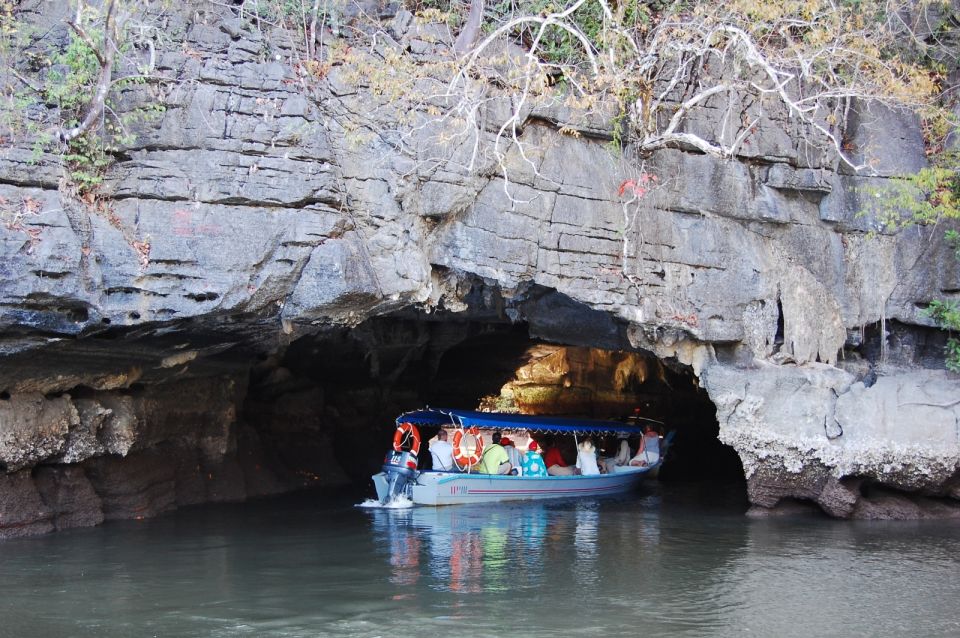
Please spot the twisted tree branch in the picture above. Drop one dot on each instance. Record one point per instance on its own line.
(105, 57)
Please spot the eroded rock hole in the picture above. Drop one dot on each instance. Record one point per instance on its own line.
(778, 338)
(901, 344)
(145, 421)
(324, 410)
(78, 315)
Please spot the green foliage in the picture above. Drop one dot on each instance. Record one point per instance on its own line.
(12, 121)
(297, 15)
(74, 74)
(947, 315)
(930, 196)
(41, 141)
(70, 82)
(8, 24)
(15, 97)
(89, 156)
(280, 10)
(559, 46)
(47, 85)
(953, 238)
(87, 159)
(420, 6)
(621, 121)
(926, 197)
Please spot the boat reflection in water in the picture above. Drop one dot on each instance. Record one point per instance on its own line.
(467, 548)
(585, 570)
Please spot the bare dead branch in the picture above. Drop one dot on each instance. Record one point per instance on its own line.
(312, 31)
(27, 82)
(468, 35)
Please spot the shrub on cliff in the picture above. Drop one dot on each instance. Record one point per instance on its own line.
(63, 87)
(929, 197)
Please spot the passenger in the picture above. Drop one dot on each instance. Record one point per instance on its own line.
(533, 462)
(622, 456)
(556, 466)
(649, 452)
(495, 459)
(587, 459)
(623, 451)
(515, 456)
(442, 453)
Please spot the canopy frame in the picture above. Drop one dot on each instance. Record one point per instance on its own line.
(439, 417)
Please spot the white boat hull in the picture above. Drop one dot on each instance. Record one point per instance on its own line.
(449, 488)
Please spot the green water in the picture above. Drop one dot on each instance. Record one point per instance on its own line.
(670, 561)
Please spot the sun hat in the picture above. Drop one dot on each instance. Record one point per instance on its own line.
(505, 441)
(533, 445)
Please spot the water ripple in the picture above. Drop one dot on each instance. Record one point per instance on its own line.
(652, 566)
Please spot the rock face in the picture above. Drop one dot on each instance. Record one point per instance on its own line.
(827, 436)
(258, 209)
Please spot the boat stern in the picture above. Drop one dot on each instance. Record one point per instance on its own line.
(397, 476)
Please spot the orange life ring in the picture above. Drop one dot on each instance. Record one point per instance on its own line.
(403, 431)
(462, 455)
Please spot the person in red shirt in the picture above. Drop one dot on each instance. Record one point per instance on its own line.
(556, 466)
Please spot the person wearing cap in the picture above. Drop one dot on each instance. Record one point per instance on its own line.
(532, 461)
(516, 457)
(495, 459)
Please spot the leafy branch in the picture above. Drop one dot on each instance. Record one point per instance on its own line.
(947, 315)
(929, 197)
(104, 54)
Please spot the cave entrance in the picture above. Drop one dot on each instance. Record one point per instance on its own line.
(324, 410)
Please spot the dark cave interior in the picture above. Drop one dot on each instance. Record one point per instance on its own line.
(132, 422)
(343, 388)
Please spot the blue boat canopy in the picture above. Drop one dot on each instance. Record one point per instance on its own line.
(501, 421)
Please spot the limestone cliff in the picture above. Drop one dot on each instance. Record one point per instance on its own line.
(256, 211)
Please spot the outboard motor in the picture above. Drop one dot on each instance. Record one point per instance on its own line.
(399, 468)
(400, 464)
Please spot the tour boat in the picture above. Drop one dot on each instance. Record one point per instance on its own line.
(400, 477)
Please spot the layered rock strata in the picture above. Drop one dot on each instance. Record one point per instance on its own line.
(258, 209)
